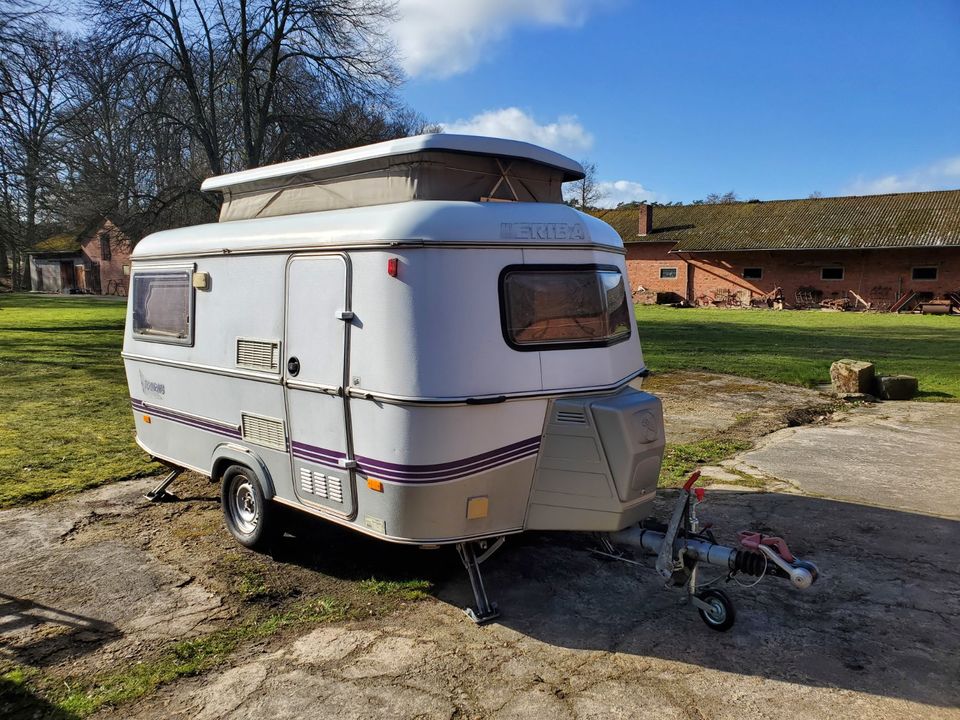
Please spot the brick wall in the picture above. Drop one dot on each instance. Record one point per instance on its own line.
(870, 273)
(112, 268)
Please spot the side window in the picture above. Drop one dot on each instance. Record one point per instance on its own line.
(545, 307)
(163, 306)
(752, 273)
(105, 253)
(831, 273)
(668, 273)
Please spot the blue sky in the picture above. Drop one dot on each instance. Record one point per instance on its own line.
(674, 100)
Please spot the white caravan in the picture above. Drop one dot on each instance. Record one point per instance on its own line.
(416, 339)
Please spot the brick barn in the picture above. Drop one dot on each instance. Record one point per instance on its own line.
(95, 262)
(893, 251)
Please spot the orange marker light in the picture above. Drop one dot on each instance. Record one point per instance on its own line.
(374, 485)
(146, 419)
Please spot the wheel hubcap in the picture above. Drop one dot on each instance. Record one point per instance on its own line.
(716, 613)
(246, 514)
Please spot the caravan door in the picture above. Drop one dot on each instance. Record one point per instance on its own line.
(316, 345)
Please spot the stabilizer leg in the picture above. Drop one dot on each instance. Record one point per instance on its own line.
(159, 493)
(485, 611)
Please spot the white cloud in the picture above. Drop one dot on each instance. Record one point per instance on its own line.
(565, 135)
(624, 191)
(441, 38)
(939, 175)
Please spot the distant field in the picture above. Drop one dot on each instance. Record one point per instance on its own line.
(797, 347)
(65, 419)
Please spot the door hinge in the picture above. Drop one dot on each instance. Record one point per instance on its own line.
(346, 463)
(344, 315)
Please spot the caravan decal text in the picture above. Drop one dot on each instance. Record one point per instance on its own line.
(542, 231)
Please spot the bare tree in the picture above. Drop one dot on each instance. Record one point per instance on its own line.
(31, 115)
(241, 65)
(718, 199)
(585, 193)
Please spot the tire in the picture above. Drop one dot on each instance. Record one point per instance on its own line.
(249, 516)
(723, 615)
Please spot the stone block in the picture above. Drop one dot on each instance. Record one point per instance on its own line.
(851, 376)
(896, 387)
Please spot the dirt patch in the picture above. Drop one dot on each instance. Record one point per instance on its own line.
(699, 406)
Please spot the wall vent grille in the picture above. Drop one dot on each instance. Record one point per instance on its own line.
(258, 354)
(323, 486)
(264, 431)
(571, 417)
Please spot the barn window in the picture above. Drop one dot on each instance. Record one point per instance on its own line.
(753, 273)
(831, 273)
(163, 305)
(924, 273)
(668, 273)
(546, 307)
(105, 247)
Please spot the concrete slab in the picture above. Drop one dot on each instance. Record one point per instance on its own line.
(896, 454)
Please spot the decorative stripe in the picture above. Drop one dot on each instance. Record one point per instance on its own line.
(424, 473)
(231, 431)
(381, 469)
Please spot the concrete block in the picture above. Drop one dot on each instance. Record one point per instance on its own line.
(851, 376)
(897, 387)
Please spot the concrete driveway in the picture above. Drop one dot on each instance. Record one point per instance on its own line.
(903, 455)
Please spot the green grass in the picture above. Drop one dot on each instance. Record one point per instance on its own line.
(65, 419)
(797, 347)
(681, 459)
(405, 590)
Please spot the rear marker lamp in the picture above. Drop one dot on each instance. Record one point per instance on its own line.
(375, 485)
(146, 419)
(393, 267)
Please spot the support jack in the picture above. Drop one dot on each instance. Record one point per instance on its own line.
(159, 493)
(484, 610)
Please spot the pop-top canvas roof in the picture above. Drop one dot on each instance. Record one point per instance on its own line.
(425, 167)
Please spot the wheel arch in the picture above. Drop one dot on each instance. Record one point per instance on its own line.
(228, 454)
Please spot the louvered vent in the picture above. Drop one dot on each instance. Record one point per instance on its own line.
(571, 417)
(323, 486)
(258, 354)
(264, 431)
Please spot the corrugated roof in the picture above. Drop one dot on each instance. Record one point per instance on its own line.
(919, 219)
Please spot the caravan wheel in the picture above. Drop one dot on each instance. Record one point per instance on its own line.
(249, 517)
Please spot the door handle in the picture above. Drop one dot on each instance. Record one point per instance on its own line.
(293, 366)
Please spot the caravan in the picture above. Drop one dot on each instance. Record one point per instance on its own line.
(417, 340)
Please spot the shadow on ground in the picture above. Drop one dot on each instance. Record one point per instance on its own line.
(884, 618)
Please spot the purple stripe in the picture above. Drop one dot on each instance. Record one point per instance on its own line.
(167, 414)
(466, 464)
(414, 479)
(318, 451)
(453, 464)
(403, 478)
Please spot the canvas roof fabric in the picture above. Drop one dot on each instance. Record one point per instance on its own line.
(425, 167)
(900, 220)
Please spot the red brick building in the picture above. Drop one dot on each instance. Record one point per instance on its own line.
(884, 248)
(96, 261)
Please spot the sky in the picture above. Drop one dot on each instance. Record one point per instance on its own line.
(675, 99)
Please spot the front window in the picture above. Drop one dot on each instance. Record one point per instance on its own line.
(163, 306)
(547, 307)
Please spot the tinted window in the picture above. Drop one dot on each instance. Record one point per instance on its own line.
(162, 306)
(548, 307)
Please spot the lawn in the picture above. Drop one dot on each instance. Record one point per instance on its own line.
(65, 419)
(66, 425)
(797, 347)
